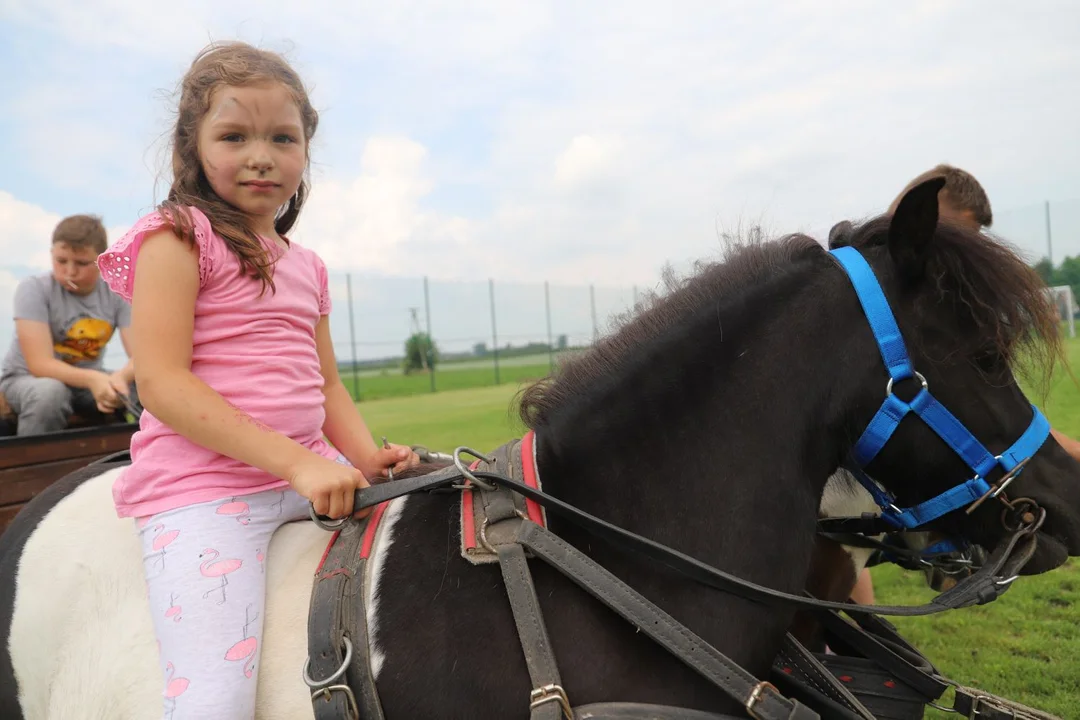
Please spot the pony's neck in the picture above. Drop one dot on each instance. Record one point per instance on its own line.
(725, 428)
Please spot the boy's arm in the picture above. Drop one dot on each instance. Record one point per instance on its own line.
(1067, 443)
(36, 344)
(344, 427)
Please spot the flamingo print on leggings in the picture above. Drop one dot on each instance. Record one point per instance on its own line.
(214, 568)
(174, 687)
(246, 649)
(162, 540)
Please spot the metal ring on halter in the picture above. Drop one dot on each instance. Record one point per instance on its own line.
(464, 470)
(329, 525)
(314, 684)
(918, 376)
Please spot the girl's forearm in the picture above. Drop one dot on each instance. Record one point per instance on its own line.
(346, 429)
(193, 409)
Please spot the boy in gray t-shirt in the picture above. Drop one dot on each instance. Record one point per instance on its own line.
(63, 320)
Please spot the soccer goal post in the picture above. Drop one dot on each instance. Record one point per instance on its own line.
(1066, 303)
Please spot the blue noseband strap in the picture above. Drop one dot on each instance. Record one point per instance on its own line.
(924, 405)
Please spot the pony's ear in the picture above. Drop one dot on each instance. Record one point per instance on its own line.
(840, 235)
(912, 229)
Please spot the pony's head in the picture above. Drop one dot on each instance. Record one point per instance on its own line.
(973, 316)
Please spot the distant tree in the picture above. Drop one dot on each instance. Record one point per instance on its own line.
(562, 342)
(420, 353)
(1046, 271)
(479, 349)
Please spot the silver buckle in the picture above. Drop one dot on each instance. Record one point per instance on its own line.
(756, 695)
(551, 693)
(996, 490)
(354, 709)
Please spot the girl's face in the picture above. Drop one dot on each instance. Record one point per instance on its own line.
(252, 149)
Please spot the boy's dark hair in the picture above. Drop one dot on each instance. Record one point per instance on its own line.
(79, 231)
(962, 191)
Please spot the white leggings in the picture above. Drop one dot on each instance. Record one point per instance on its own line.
(207, 586)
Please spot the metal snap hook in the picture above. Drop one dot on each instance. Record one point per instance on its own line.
(464, 469)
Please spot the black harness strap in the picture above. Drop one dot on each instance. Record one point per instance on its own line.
(761, 699)
(800, 675)
(548, 700)
(984, 586)
(338, 648)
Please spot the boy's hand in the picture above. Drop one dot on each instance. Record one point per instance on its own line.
(104, 393)
(119, 383)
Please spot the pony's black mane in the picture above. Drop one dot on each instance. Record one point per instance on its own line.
(1012, 314)
(743, 264)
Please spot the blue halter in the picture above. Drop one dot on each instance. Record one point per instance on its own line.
(934, 414)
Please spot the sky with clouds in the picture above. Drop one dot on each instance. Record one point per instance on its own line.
(573, 142)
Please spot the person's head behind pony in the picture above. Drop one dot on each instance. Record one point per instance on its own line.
(229, 86)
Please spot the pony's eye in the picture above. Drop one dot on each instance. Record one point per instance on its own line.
(990, 361)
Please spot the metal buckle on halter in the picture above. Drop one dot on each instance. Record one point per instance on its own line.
(999, 488)
(551, 693)
(756, 695)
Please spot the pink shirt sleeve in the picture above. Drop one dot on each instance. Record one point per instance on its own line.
(324, 286)
(117, 264)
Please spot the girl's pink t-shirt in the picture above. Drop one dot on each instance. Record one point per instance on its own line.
(257, 353)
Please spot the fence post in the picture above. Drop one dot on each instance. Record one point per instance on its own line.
(352, 339)
(1049, 243)
(551, 343)
(494, 332)
(592, 304)
(431, 340)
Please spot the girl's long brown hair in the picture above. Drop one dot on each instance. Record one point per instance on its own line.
(235, 64)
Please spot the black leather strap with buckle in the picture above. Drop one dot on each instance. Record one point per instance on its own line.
(987, 584)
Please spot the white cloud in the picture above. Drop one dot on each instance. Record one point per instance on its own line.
(588, 160)
(376, 222)
(25, 232)
(600, 140)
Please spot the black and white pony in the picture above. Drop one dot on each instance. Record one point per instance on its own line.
(709, 422)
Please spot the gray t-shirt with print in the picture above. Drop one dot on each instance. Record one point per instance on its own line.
(81, 325)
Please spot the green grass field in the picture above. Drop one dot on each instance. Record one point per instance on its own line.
(1025, 646)
(377, 385)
